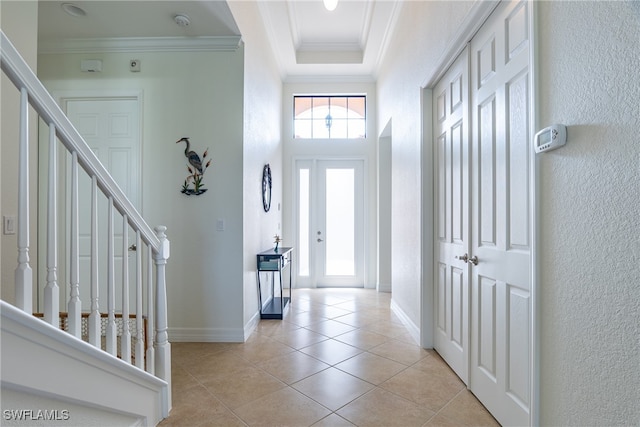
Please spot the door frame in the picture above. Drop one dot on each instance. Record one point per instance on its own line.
(61, 97)
(312, 282)
(476, 17)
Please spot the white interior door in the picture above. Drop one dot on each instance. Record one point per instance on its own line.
(501, 290)
(330, 218)
(451, 109)
(111, 127)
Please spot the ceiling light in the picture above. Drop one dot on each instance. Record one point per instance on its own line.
(73, 9)
(182, 20)
(330, 5)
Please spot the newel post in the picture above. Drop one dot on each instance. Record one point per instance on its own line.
(161, 341)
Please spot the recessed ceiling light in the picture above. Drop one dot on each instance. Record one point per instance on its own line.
(182, 20)
(330, 5)
(73, 9)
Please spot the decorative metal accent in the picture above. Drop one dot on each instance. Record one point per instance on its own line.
(195, 168)
(266, 187)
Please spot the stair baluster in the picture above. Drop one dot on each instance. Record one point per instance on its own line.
(52, 290)
(75, 305)
(139, 350)
(94, 317)
(150, 355)
(125, 339)
(24, 274)
(111, 286)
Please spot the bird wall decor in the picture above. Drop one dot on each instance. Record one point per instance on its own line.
(193, 183)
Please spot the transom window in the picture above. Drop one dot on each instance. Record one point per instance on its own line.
(329, 117)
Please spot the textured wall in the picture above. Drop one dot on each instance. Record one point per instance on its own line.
(590, 80)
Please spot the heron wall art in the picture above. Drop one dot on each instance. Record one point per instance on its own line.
(193, 183)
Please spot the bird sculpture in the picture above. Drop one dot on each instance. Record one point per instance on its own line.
(192, 156)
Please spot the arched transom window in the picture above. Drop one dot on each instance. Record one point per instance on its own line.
(329, 117)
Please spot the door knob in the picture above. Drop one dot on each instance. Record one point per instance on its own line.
(464, 258)
(473, 260)
(320, 240)
(133, 248)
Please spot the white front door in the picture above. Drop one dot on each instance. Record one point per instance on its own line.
(501, 222)
(451, 136)
(111, 127)
(330, 218)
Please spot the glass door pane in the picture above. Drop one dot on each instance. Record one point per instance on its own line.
(340, 222)
(303, 222)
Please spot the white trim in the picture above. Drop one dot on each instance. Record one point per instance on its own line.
(206, 334)
(329, 78)
(252, 324)
(536, 217)
(141, 44)
(427, 290)
(412, 328)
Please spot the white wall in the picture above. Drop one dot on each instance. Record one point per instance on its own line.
(262, 144)
(422, 34)
(590, 189)
(19, 20)
(204, 102)
(332, 149)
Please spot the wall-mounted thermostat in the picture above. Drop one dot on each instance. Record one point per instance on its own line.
(550, 138)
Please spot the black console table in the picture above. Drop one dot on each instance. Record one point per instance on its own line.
(274, 261)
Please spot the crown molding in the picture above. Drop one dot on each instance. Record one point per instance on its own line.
(141, 44)
(303, 78)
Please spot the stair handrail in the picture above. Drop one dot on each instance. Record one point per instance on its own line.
(17, 70)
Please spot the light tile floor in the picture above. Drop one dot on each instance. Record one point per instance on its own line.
(339, 358)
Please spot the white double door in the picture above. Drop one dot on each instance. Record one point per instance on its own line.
(330, 223)
(483, 215)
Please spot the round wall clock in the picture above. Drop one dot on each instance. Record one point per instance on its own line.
(266, 187)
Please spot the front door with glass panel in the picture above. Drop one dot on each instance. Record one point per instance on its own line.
(330, 218)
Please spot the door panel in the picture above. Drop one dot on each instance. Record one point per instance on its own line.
(452, 215)
(500, 289)
(111, 128)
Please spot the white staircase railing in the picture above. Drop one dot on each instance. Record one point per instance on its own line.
(154, 244)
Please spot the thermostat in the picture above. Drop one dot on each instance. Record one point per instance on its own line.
(550, 138)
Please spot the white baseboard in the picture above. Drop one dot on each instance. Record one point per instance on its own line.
(206, 335)
(412, 328)
(251, 325)
(384, 287)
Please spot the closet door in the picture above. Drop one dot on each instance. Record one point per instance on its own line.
(451, 109)
(500, 211)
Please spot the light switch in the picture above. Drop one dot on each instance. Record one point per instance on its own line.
(220, 224)
(9, 224)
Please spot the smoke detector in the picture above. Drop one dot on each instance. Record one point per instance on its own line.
(182, 20)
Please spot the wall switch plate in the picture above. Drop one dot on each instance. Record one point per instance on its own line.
(9, 224)
(220, 224)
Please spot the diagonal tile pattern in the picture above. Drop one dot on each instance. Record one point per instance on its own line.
(339, 358)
